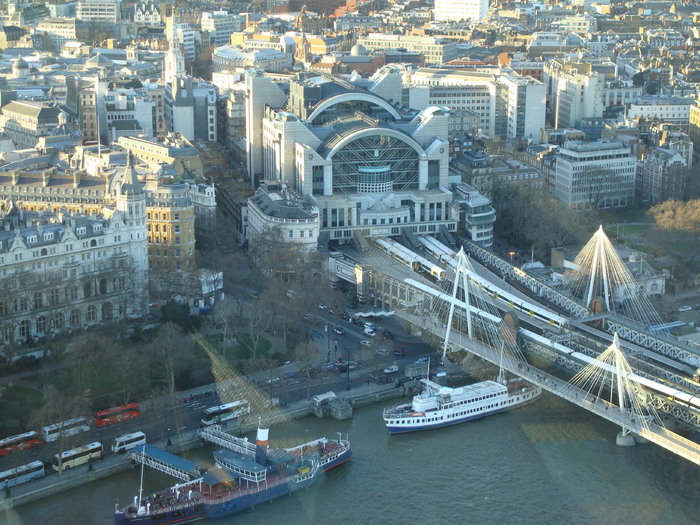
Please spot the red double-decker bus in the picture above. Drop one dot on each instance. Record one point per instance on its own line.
(19, 442)
(104, 418)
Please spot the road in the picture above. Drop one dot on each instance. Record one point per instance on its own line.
(163, 417)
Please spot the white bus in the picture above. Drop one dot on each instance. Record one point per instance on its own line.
(22, 474)
(128, 441)
(217, 414)
(77, 456)
(67, 428)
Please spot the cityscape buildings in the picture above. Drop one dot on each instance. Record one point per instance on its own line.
(338, 121)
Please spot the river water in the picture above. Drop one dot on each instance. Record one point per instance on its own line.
(546, 463)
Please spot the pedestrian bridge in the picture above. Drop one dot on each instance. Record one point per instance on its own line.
(626, 419)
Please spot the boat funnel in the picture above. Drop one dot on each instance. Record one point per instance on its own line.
(261, 446)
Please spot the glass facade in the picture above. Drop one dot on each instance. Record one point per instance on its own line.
(375, 164)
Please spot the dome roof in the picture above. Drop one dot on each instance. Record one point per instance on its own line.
(358, 50)
(20, 63)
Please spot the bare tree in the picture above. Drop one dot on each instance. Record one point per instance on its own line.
(57, 408)
(172, 350)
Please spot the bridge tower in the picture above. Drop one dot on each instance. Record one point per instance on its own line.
(601, 279)
(609, 380)
(461, 278)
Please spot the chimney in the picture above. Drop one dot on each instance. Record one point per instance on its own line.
(261, 446)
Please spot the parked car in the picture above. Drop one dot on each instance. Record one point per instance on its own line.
(387, 334)
(364, 342)
(391, 369)
(358, 322)
(399, 352)
(382, 352)
(345, 317)
(341, 368)
(370, 332)
(423, 360)
(273, 380)
(339, 331)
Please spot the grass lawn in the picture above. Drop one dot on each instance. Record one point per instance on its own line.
(16, 405)
(245, 345)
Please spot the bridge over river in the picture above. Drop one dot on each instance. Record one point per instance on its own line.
(508, 323)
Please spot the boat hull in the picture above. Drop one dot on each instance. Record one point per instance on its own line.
(440, 424)
(213, 510)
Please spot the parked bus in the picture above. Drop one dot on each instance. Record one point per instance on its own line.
(128, 441)
(19, 442)
(22, 474)
(77, 456)
(104, 418)
(67, 428)
(218, 414)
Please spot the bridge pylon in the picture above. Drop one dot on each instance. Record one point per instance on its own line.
(608, 381)
(602, 280)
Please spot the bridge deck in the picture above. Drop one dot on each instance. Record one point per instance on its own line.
(654, 433)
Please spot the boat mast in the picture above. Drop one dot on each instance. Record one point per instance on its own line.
(141, 484)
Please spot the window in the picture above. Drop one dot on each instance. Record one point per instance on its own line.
(74, 318)
(91, 314)
(41, 324)
(53, 297)
(38, 300)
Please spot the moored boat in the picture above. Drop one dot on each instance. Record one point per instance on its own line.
(438, 406)
(240, 481)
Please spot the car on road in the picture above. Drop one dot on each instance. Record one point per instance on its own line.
(685, 308)
(273, 380)
(364, 342)
(391, 369)
(423, 360)
(322, 307)
(345, 317)
(399, 352)
(339, 331)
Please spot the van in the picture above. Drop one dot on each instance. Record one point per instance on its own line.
(128, 441)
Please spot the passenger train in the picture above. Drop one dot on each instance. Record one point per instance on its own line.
(448, 257)
(409, 258)
(671, 393)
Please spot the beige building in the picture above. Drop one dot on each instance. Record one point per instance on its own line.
(24, 122)
(170, 213)
(176, 150)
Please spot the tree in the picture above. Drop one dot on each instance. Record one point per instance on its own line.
(58, 407)
(172, 350)
(678, 227)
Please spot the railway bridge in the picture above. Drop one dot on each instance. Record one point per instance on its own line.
(480, 309)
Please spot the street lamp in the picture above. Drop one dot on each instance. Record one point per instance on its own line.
(511, 253)
(170, 443)
(347, 368)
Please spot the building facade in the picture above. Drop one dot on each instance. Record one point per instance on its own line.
(367, 168)
(63, 273)
(595, 174)
(458, 10)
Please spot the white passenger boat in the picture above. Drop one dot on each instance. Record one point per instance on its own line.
(439, 406)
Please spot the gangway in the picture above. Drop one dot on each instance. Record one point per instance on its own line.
(215, 434)
(166, 462)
